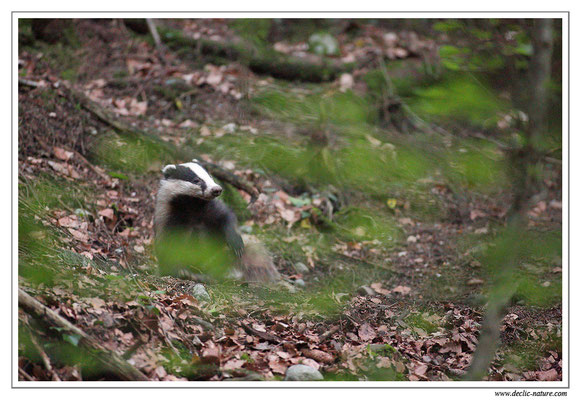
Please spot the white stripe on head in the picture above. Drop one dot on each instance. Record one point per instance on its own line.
(202, 174)
(166, 169)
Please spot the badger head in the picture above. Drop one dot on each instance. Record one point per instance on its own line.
(190, 179)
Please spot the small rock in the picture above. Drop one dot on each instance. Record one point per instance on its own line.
(82, 213)
(286, 286)
(230, 128)
(365, 291)
(299, 283)
(200, 293)
(301, 268)
(302, 373)
(323, 44)
(246, 229)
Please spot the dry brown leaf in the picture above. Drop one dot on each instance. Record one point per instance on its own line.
(366, 332)
(62, 154)
(107, 213)
(401, 289)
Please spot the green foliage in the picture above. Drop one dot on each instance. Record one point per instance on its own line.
(418, 320)
(359, 224)
(234, 200)
(126, 155)
(476, 167)
(339, 108)
(38, 244)
(177, 251)
(486, 45)
(459, 98)
(514, 246)
(255, 30)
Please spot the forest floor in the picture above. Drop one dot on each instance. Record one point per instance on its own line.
(382, 282)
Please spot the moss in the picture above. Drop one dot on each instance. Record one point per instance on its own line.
(525, 355)
(418, 320)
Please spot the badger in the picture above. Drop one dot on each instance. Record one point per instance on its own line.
(187, 204)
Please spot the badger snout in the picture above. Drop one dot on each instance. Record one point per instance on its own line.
(215, 191)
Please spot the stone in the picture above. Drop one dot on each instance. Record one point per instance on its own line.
(323, 44)
(302, 372)
(300, 268)
(299, 283)
(82, 213)
(365, 291)
(200, 293)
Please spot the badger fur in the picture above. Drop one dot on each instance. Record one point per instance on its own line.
(187, 203)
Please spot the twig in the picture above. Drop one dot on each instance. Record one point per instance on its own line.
(29, 83)
(263, 335)
(92, 167)
(232, 179)
(203, 323)
(45, 358)
(87, 163)
(25, 375)
(328, 334)
(156, 39)
(109, 359)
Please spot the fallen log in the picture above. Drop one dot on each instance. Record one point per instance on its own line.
(110, 361)
(267, 62)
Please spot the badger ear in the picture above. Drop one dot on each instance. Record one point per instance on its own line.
(168, 170)
(195, 160)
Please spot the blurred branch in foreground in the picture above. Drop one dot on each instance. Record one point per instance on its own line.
(522, 158)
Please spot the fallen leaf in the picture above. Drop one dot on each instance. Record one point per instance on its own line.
(366, 332)
(107, 213)
(550, 375)
(401, 289)
(62, 154)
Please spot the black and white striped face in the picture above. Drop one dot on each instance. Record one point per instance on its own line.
(190, 179)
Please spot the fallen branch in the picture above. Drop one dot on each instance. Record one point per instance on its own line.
(328, 334)
(261, 62)
(25, 375)
(79, 156)
(232, 179)
(111, 361)
(108, 118)
(156, 39)
(124, 129)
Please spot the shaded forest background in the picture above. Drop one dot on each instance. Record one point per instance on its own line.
(405, 176)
